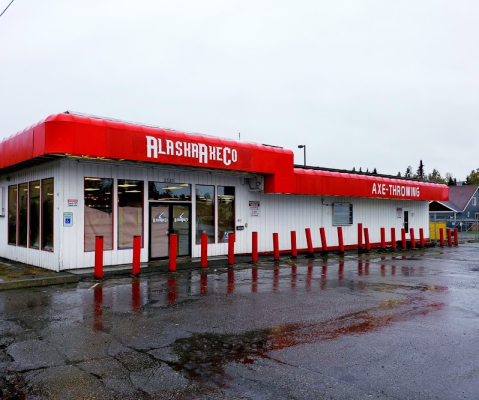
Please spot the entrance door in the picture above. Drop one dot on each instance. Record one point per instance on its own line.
(406, 221)
(166, 219)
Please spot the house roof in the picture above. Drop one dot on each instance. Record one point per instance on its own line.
(459, 197)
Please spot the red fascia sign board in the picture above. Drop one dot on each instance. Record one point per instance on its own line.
(80, 136)
(332, 183)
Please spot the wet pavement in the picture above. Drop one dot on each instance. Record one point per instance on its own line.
(393, 325)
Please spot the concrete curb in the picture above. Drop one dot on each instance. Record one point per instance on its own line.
(33, 282)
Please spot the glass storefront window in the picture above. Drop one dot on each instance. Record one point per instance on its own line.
(48, 195)
(169, 191)
(130, 212)
(226, 212)
(12, 214)
(205, 212)
(34, 215)
(22, 214)
(98, 212)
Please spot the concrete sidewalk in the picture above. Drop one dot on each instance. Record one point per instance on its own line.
(15, 275)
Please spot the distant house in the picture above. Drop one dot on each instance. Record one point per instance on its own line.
(463, 205)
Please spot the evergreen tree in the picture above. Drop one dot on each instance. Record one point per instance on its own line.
(360, 169)
(435, 175)
(408, 173)
(354, 169)
(399, 174)
(375, 172)
(367, 170)
(420, 171)
(450, 182)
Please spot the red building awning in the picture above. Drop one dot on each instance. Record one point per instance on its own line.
(81, 136)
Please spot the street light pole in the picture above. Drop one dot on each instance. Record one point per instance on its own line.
(303, 146)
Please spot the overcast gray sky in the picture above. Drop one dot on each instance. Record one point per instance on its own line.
(371, 83)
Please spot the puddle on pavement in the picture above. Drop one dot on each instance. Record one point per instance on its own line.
(203, 356)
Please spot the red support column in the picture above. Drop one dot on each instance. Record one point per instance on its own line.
(231, 249)
(204, 250)
(421, 237)
(324, 244)
(449, 237)
(456, 237)
(254, 254)
(98, 273)
(383, 238)
(403, 238)
(441, 236)
(294, 250)
(413, 241)
(360, 237)
(310, 242)
(173, 252)
(366, 239)
(393, 238)
(276, 246)
(136, 255)
(340, 239)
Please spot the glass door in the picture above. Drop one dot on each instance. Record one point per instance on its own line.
(181, 227)
(166, 219)
(159, 230)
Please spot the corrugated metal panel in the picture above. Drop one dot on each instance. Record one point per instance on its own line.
(278, 213)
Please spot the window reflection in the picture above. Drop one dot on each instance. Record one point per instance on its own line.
(205, 212)
(130, 212)
(226, 212)
(98, 212)
(47, 213)
(34, 217)
(169, 191)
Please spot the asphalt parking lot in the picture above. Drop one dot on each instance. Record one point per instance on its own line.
(382, 325)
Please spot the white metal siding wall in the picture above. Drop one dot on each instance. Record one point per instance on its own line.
(278, 213)
(40, 258)
(74, 172)
(283, 213)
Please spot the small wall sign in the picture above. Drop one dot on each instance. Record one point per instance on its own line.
(72, 202)
(254, 208)
(67, 219)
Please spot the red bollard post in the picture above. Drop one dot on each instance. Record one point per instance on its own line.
(254, 254)
(456, 237)
(324, 244)
(294, 250)
(441, 236)
(449, 238)
(360, 237)
(204, 250)
(136, 255)
(421, 237)
(340, 239)
(393, 238)
(413, 241)
(366, 239)
(231, 249)
(383, 238)
(173, 251)
(276, 246)
(403, 238)
(310, 242)
(98, 273)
